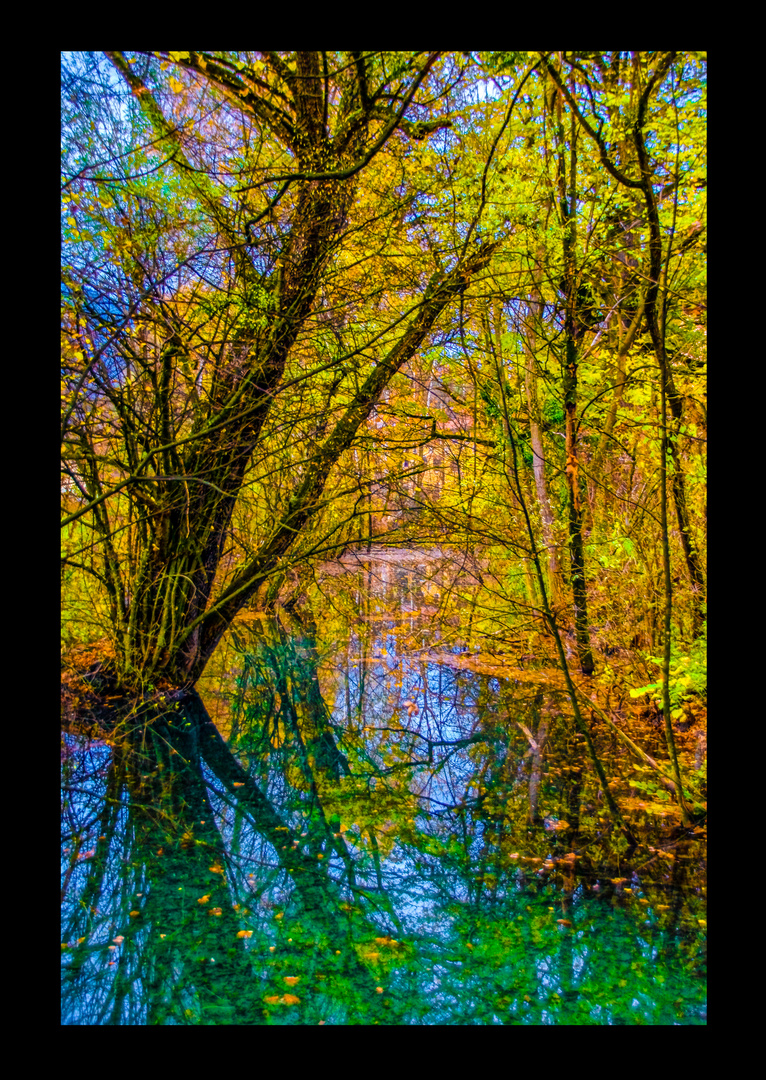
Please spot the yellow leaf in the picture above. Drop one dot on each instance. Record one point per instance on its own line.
(291, 980)
(244, 933)
(203, 899)
(175, 85)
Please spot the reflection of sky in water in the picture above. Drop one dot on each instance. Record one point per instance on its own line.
(422, 882)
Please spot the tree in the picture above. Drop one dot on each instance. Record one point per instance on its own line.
(181, 343)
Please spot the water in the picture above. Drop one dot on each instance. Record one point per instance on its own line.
(369, 835)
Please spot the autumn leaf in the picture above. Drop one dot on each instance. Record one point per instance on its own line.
(244, 933)
(203, 899)
(291, 999)
(291, 980)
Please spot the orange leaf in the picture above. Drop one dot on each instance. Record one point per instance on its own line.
(291, 999)
(291, 980)
(244, 933)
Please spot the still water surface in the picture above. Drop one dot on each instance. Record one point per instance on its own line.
(356, 822)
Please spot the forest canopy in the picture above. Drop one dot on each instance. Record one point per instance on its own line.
(316, 299)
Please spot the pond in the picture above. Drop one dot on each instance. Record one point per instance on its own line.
(359, 819)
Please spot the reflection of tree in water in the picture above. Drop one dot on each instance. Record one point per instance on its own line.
(398, 868)
(182, 824)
